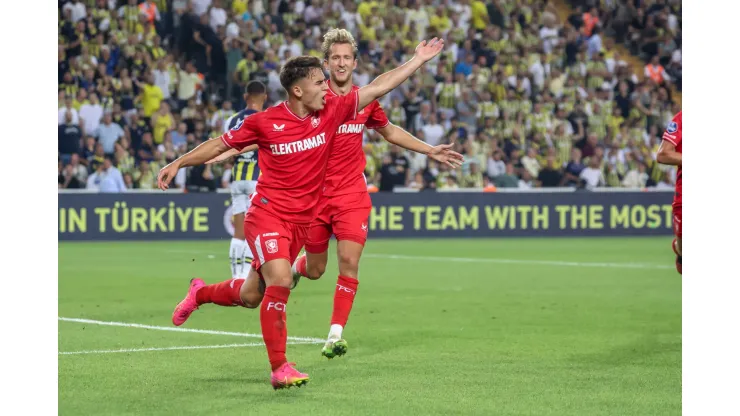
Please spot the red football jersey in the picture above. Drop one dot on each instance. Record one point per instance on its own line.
(293, 154)
(345, 172)
(673, 136)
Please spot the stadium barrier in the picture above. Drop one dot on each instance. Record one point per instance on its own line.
(191, 216)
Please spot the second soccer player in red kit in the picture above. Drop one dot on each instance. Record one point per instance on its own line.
(670, 153)
(294, 141)
(345, 207)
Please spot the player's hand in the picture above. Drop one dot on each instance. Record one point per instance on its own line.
(444, 154)
(223, 156)
(428, 50)
(166, 174)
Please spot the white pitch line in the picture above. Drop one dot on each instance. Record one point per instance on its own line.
(191, 347)
(178, 329)
(514, 261)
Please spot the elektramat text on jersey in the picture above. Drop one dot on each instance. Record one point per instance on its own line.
(298, 146)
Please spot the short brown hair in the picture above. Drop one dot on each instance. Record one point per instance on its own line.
(338, 36)
(297, 68)
(256, 88)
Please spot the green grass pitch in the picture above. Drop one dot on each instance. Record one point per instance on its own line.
(439, 327)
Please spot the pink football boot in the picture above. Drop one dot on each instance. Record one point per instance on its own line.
(188, 305)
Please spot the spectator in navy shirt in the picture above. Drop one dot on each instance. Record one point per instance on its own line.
(622, 98)
(127, 95)
(147, 148)
(88, 150)
(137, 129)
(573, 169)
(394, 171)
(467, 50)
(70, 136)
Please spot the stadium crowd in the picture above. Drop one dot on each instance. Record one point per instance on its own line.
(530, 99)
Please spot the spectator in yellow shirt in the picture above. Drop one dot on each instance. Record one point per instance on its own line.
(145, 177)
(239, 7)
(368, 32)
(162, 122)
(365, 9)
(474, 178)
(479, 15)
(151, 95)
(440, 22)
(189, 81)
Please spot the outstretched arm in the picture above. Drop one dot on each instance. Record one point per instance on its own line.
(198, 156)
(203, 153)
(442, 153)
(386, 82)
(231, 153)
(247, 135)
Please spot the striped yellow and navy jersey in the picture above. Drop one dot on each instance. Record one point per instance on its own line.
(487, 109)
(130, 15)
(157, 52)
(563, 145)
(447, 95)
(162, 6)
(525, 106)
(498, 91)
(597, 124)
(541, 122)
(397, 116)
(548, 107)
(509, 106)
(70, 89)
(93, 47)
(245, 167)
(655, 171)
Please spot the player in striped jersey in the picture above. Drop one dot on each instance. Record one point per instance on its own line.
(244, 176)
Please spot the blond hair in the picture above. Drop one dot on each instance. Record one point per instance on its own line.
(338, 36)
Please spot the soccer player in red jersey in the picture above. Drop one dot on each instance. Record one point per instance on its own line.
(294, 140)
(670, 154)
(345, 205)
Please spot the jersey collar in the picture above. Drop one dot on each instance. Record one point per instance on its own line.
(331, 92)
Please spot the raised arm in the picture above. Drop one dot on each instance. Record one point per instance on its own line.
(386, 82)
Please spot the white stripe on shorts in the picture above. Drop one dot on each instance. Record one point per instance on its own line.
(258, 247)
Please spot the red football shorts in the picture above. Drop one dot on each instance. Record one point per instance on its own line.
(677, 220)
(345, 216)
(271, 238)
